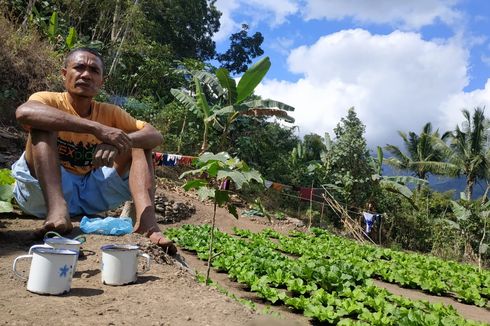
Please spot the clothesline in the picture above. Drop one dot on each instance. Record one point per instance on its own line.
(305, 193)
(166, 159)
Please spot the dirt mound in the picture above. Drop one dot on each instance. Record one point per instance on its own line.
(169, 211)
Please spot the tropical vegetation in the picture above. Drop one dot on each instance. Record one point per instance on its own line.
(162, 66)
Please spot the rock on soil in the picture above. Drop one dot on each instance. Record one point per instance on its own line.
(169, 211)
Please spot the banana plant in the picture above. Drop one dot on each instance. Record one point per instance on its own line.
(229, 100)
(238, 99)
(199, 105)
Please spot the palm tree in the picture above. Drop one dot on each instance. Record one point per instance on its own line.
(424, 153)
(469, 148)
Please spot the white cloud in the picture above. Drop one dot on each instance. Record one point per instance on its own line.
(282, 45)
(451, 108)
(228, 25)
(276, 12)
(396, 82)
(411, 14)
(253, 12)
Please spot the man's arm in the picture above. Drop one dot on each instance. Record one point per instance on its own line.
(38, 115)
(146, 138)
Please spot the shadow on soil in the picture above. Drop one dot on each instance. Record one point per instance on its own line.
(84, 292)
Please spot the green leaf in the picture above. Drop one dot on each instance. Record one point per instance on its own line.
(5, 207)
(268, 108)
(395, 187)
(53, 26)
(237, 177)
(206, 193)
(212, 168)
(232, 210)
(227, 83)
(6, 177)
(6, 192)
(251, 78)
(253, 175)
(220, 112)
(221, 197)
(460, 212)
(209, 80)
(195, 184)
(202, 102)
(186, 100)
(71, 38)
(222, 157)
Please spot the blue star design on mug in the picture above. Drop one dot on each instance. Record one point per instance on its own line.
(64, 271)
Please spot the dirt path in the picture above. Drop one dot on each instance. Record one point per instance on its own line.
(166, 295)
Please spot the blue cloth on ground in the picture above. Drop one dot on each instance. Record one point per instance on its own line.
(107, 226)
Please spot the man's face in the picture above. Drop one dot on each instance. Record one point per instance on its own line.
(83, 75)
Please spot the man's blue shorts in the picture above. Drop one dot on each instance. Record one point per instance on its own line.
(100, 190)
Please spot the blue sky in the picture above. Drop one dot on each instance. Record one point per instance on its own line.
(400, 63)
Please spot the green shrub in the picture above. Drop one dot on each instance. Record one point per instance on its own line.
(28, 65)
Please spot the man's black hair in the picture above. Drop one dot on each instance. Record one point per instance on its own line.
(82, 49)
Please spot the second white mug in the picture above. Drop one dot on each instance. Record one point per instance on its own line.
(120, 264)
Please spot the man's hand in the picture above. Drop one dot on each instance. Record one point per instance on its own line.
(104, 155)
(115, 137)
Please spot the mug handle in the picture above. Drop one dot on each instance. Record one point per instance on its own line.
(55, 234)
(52, 234)
(15, 265)
(80, 238)
(147, 265)
(38, 246)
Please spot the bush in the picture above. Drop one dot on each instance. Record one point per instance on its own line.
(28, 65)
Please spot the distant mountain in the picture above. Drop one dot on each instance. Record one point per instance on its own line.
(442, 184)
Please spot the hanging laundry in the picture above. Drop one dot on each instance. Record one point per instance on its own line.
(170, 159)
(277, 186)
(370, 219)
(305, 193)
(157, 158)
(185, 160)
(267, 184)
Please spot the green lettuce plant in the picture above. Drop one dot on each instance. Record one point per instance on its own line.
(6, 191)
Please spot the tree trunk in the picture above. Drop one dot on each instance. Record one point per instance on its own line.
(211, 241)
(204, 145)
(470, 182)
(118, 53)
(179, 143)
(30, 5)
(115, 20)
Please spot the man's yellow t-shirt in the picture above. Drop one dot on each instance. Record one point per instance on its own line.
(76, 150)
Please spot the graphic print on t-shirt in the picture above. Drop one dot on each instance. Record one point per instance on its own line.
(72, 155)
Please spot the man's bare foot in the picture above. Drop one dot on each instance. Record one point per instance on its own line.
(59, 225)
(156, 237)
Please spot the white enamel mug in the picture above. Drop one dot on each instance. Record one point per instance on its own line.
(60, 242)
(120, 264)
(51, 270)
